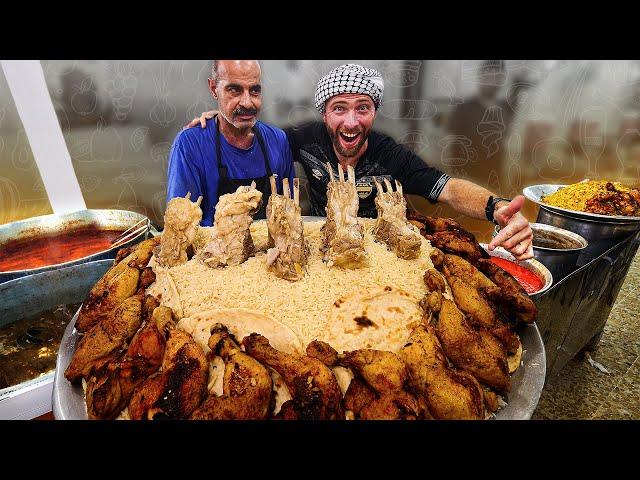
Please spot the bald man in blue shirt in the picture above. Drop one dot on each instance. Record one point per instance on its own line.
(233, 150)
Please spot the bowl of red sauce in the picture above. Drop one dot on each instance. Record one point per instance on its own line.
(534, 277)
(49, 242)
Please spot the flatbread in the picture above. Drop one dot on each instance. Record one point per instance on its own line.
(514, 360)
(242, 322)
(380, 318)
(165, 290)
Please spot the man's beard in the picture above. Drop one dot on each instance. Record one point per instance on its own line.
(350, 152)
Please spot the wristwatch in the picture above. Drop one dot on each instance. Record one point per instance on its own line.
(490, 209)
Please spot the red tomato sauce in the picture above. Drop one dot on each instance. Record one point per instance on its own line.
(36, 252)
(526, 278)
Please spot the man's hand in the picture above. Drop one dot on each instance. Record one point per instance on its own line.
(515, 234)
(202, 120)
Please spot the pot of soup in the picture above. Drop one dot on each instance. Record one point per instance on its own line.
(50, 242)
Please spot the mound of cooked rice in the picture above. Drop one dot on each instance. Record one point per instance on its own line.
(304, 305)
(574, 197)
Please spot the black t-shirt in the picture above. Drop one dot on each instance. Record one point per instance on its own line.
(311, 146)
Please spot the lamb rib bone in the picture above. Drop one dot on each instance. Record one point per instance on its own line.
(181, 220)
(231, 242)
(288, 252)
(392, 227)
(342, 235)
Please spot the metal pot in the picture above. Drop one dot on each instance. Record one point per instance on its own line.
(53, 224)
(600, 234)
(560, 261)
(30, 295)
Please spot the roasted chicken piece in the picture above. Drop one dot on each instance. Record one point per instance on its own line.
(510, 294)
(472, 348)
(434, 281)
(342, 235)
(231, 242)
(179, 388)
(181, 220)
(109, 389)
(117, 284)
(449, 236)
(323, 352)
(437, 257)
(455, 266)
(479, 311)
(450, 394)
(289, 251)
(383, 371)
(384, 396)
(469, 288)
(314, 388)
(392, 227)
(147, 277)
(358, 396)
(247, 384)
(105, 338)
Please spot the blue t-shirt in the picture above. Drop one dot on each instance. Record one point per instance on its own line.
(193, 166)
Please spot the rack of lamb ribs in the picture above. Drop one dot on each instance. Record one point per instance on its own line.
(342, 235)
(231, 242)
(181, 220)
(392, 226)
(288, 251)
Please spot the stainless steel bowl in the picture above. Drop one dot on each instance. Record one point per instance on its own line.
(533, 265)
(30, 295)
(52, 224)
(600, 234)
(559, 261)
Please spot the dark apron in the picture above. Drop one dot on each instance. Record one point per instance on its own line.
(230, 185)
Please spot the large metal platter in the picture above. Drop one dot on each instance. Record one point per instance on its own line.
(536, 192)
(526, 383)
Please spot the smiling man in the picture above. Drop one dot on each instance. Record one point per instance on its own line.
(233, 150)
(348, 99)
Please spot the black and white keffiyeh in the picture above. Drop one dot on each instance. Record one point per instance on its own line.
(349, 78)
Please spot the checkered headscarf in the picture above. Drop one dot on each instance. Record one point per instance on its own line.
(349, 78)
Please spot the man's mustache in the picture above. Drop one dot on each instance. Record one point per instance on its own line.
(245, 111)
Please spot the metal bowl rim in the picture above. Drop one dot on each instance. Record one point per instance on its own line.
(561, 231)
(533, 265)
(586, 216)
(32, 271)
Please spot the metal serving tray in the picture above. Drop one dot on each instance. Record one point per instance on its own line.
(526, 383)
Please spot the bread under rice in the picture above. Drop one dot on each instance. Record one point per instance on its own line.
(303, 305)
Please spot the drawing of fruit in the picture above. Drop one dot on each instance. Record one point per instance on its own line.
(85, 98)
(105, 144)
(122, 88)
(22, 157)
(138, 137)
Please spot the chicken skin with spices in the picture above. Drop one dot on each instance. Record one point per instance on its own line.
(314, 388)
(179, 387)
(105, 338)
(247, 385)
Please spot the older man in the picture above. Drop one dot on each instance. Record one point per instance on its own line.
(233, 150)
(348, 99)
